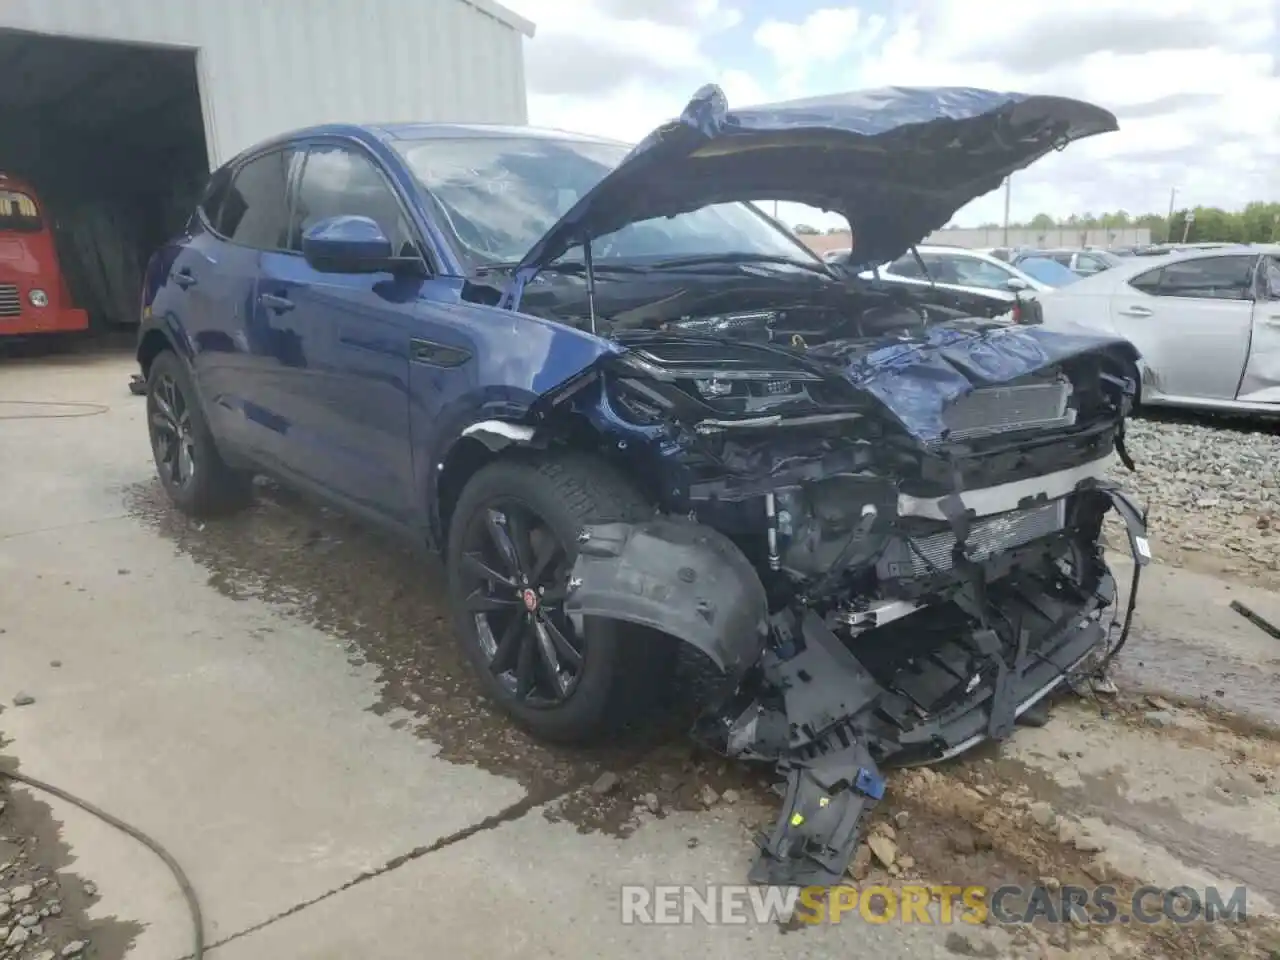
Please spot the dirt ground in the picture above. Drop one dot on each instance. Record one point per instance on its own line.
(1167, 783)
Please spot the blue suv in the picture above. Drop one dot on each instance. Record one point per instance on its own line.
(634, 412)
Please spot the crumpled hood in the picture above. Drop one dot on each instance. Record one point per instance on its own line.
(896, 162)
(917, 378)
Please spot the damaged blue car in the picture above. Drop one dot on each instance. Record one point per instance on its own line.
(633, 412)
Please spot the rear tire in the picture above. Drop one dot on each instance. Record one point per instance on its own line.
(611, 672)
(193, 473)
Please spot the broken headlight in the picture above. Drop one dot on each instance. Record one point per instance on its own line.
(731, 389)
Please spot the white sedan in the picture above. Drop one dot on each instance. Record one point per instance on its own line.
(1206, 322)
(974, 270)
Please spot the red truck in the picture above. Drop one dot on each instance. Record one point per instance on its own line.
(34, 298)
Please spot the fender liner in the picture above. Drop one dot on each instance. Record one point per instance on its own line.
(676, 576)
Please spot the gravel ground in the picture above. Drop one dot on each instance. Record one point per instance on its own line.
(42, 904)
(1213, 489)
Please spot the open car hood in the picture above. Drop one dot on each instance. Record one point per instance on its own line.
(896, 162)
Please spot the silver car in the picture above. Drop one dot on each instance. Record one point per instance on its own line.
(1206, 322)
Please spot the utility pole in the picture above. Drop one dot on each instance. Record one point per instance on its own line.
(1168, 223)
(1008, 189)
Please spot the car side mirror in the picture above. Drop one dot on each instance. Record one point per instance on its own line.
(348, 245)
(1017, 283)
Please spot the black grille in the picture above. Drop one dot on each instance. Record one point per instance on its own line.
(10, 301)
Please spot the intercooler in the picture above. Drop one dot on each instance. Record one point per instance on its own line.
(995, 410)
(988, 537)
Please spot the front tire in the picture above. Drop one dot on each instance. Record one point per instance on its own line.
(513, 540)
(193, 473)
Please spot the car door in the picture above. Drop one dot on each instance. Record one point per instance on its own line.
(217, 272)
(1191, 322)
(254, 219)
(344, 341)
(1261, 380)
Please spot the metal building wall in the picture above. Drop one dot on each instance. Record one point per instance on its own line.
(267, 66)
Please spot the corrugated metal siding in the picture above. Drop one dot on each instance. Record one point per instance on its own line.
(267, 66)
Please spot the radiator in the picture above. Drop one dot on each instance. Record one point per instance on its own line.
(990, 536)
(993, 410)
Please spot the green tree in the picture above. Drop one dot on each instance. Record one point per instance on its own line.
(1258, 222)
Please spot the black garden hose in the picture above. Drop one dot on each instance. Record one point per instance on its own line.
(188, 892)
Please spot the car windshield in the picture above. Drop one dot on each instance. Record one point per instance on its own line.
(1047, 271)
(501, 194)
(18, 212)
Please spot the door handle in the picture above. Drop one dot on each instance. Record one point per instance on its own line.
(1274, 320)
(184, 279)
(277, 303)
(437, 354)
(1135, 312)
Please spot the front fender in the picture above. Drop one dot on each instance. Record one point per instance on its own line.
(676, 576)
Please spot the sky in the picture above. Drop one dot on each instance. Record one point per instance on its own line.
(1195, 84)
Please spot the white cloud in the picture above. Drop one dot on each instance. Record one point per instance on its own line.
(1195, 85)
(617, 69)
(810, 47)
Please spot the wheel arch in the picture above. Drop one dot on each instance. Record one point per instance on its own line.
(475, 447)
(153, 343)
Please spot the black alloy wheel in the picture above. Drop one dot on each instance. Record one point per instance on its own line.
(515, 572)
(173, 438)
(191, 468)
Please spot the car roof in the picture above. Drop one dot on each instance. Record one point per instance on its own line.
(410, 132)
(9, 182)
(433, 131)
(948, 248)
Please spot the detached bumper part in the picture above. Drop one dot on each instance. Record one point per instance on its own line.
(676, 576)
(822, 816)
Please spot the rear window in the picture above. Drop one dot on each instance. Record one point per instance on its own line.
(18, 212)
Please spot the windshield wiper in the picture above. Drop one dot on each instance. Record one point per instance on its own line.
(733, 259)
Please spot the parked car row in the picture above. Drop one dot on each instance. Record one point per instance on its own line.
(634, 412)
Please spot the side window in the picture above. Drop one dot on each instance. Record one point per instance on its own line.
(255, 211)
(214, 194)
(1148, 282)
(1210, 278)
(905, 267)
(978, 273)
(1063, 258)
(1087, 265)
(942, 269)
(1271, 278)
(338, 182)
